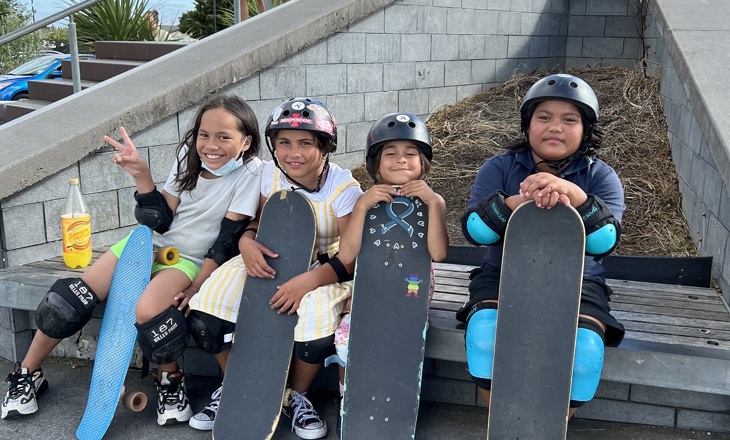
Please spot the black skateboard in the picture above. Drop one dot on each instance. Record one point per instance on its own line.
(388, 323)
(539, 298)
(254, 385)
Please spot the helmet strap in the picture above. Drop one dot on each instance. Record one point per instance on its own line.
(560, 163)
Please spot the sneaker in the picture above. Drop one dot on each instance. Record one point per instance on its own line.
(205, 418)
(24, 388)
(305, 421)
(173, 405)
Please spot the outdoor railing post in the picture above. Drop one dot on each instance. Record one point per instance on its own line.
(237, 11)
(74, 46)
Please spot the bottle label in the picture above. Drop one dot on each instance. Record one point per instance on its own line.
(76, 233)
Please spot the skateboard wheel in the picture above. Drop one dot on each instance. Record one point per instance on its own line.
(168, 256)
(134, 400)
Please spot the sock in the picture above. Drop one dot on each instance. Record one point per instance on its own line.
(342, 389)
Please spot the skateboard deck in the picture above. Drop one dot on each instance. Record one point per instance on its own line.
(118, 334)
(539, 299)
(258, 365)
(388, 323)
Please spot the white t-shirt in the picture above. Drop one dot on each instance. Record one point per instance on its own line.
(336, 176)
(198, 217)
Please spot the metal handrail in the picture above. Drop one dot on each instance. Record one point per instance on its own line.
(73, 44)
(27, 29)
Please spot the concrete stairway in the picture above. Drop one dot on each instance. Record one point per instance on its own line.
(112, 58)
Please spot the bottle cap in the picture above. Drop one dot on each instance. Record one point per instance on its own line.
(73, 181)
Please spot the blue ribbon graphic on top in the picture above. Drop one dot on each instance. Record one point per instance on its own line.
(398, 219)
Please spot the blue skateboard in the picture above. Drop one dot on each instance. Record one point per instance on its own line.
(388, 323)
(118, 334)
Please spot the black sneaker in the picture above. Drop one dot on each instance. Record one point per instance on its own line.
(305, 421)
(173, 405)
(204, 419)
(24, 388)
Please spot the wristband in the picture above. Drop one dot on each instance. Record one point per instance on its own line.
(340, 270)
(255, 230)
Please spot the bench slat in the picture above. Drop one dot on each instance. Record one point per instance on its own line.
(679, 321)
(711, 344)
(671, 312)
(692, 332)
(707, 306)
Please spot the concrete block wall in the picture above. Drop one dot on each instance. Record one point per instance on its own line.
(449, 382)
(705, 199)
(412, 56)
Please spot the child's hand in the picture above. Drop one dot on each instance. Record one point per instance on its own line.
(376, 194)
(546, 189)
(127, 155)
(253, 254)
(290, 294)
(420, 189)
(184, 297)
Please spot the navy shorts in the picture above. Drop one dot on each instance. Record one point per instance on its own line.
(595, 296)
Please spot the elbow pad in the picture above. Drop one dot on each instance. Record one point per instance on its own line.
(603, 231)
(152, 211)
(486, 222)
(226, 244)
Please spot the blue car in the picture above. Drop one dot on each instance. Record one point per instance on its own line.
(14, 84)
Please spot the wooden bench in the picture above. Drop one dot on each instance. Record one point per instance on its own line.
(677, 336)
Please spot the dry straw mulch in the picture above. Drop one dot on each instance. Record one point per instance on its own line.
(635, 145)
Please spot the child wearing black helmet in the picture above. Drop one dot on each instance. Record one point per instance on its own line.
(398, 159)
(554, 163)
(301, 134)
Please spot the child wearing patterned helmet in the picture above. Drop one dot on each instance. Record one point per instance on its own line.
(301, 133)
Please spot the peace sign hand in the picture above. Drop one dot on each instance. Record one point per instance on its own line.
(127, 156)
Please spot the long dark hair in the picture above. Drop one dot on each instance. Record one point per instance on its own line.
(189, 164)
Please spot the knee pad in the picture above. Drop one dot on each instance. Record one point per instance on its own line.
(163, 338)
(588, 361)
(481, 329)
(210, 333)
(315, 352)
(66, 308)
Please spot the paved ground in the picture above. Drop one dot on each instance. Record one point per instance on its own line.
(63, 405)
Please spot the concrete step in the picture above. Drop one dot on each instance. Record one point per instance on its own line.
(15, 109)
(54, 90)
(100, 70)
(135, 50)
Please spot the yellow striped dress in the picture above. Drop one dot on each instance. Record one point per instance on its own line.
(320, 310)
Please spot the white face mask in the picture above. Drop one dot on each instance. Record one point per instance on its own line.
(230, 166)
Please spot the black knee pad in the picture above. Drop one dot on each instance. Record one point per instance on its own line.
(163, 338)
(66, 308)
(315, 352)
(209, 332)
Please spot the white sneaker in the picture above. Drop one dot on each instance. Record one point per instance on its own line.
(204, 419)
(23, 389)
(173, 405)
(305, 421)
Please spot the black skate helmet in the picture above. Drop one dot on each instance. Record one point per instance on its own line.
(397, 126)
(562, 87)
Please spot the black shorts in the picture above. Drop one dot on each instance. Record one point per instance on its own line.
(595, 296)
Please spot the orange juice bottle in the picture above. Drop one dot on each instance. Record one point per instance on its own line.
(76, 228)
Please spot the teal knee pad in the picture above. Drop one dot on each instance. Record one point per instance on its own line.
(587, 365)
(480, 333)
